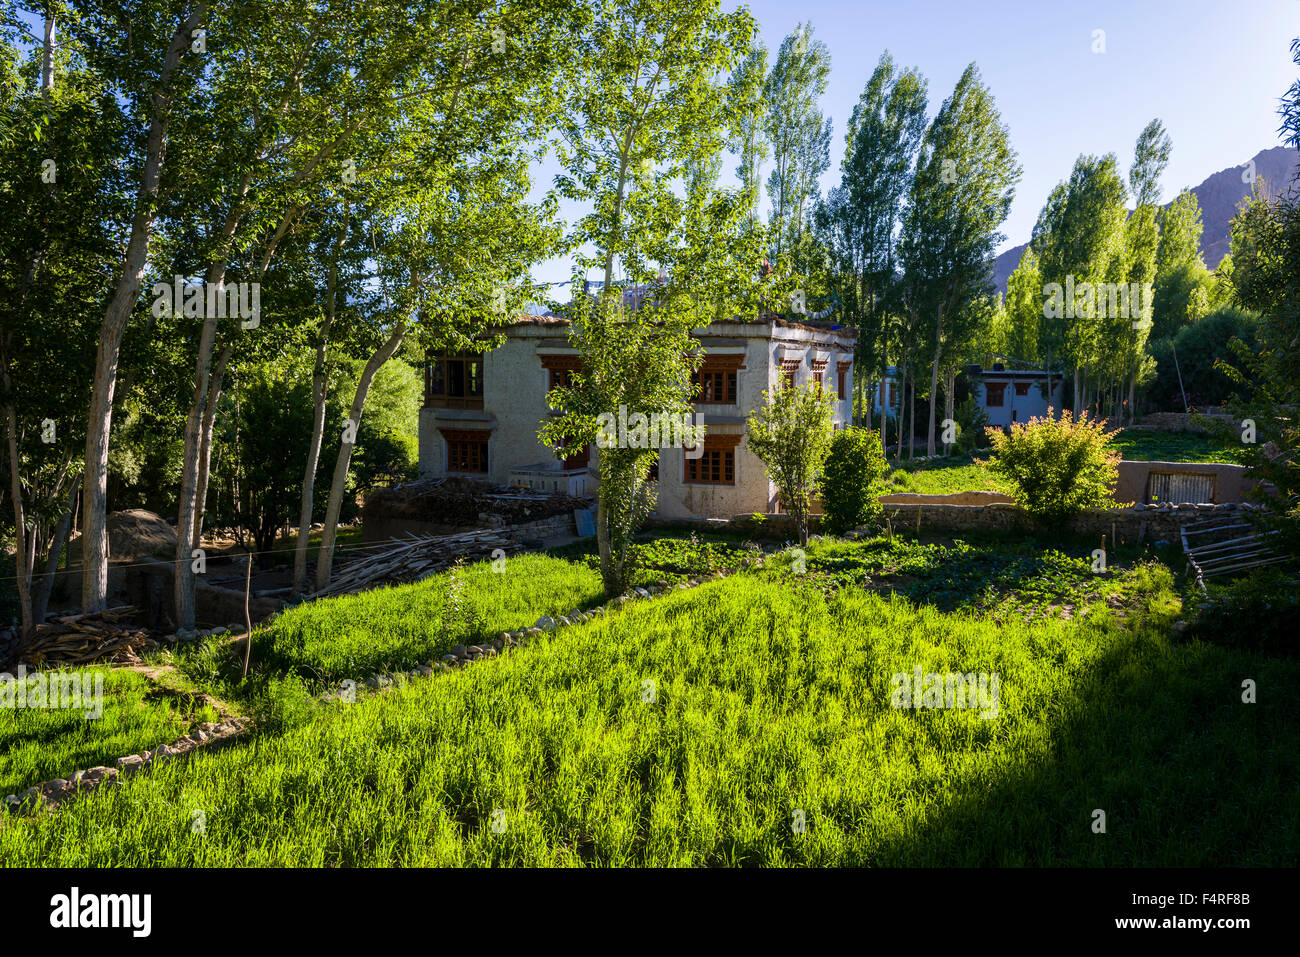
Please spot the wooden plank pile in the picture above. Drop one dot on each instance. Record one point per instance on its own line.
(80, 639)
(416, 559)
(1225, 546)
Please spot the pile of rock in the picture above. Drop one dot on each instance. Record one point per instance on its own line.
(53, 792)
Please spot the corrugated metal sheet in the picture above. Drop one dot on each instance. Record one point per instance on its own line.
(1180, 487)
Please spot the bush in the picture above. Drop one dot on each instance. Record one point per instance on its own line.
(854, 465)
(1058, 467)
(971, 425)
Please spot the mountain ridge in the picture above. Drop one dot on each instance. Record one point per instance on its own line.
(1218, 195)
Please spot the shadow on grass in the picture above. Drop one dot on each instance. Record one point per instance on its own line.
(1157, 737)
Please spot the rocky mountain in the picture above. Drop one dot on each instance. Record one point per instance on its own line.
(1218, 195)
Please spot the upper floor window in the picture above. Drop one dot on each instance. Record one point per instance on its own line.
(560, 369)
(454, 380)
(994, 392)
(717, 379)
(841, 375)
(819, 371)
(789, 368)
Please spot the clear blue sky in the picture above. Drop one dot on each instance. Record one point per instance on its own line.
(1212, 71)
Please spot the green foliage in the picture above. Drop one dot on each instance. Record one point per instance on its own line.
(971, 424)
(1200, 348)
(648, 113)
(768, 698)
(1059, 466)
(853, 468)
(39, 744)
(1258, 611)
(791, 434)
(399, 627)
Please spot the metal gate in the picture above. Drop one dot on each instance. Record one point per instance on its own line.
(1179, 487)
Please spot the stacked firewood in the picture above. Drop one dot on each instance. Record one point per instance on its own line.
(417, 558)
(80, 639)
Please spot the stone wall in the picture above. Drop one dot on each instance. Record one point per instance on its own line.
(1137, 524)
(378, 530)
(1230, 482)
(1178, 421)
(953, 498)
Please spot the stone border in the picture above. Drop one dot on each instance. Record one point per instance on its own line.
(53, 792)
(57, 790)
(460, 656)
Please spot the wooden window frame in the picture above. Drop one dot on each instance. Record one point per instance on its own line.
(841, 369)
(789, 370)
(992, 390)
(717, 375)
(444, 361)
(819, 371)
(1022, 388)
(718, 462)
(468, 437)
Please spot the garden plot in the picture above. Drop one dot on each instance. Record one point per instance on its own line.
(689, 730)
(37, 744)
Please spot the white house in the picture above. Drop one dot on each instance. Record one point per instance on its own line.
(482, 412)
(1008, 390)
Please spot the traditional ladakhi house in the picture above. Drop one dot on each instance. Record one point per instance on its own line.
(1009, 390)
(482, 412)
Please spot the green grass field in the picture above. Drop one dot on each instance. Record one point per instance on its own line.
(39, 744)
(689, 730)
(354, 636)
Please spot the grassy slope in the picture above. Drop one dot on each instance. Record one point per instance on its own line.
(358, 635)
(37, 745)
(769, 699)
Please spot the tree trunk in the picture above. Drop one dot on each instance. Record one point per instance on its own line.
(42, 587)
(325, 560)
(22, 567)
(94, 539)
(47, 59)
(319, 389)
(911, 422)
(205, 448)
(934, 379)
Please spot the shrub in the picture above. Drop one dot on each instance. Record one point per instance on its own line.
(791, 435)
(971, 425)
(854, 466)
(1059, 467)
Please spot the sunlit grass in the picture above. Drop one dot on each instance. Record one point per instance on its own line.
(764, 698)
(40, 744)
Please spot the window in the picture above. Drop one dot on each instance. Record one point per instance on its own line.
(454, 380)
(579, 459)
(467, 450)
(715, 386)
(841, 373)
(716, 466)
(818, 370)
(717, 379)
(1022, 388)
(994, 394)
(788, 369)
